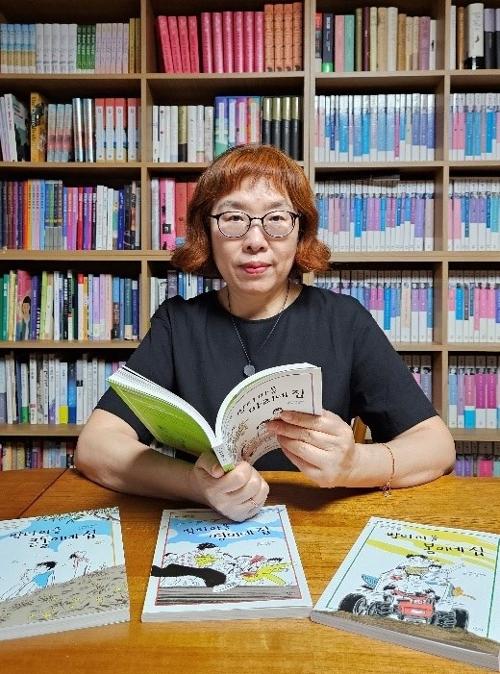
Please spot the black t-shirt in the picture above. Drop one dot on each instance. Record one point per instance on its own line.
(192, 349)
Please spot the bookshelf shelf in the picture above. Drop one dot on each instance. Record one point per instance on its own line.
(56, 345)
(39, 430)
(157, 88)
(476, 435)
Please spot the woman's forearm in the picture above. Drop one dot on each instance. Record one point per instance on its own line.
(117, 461)
(420, 455)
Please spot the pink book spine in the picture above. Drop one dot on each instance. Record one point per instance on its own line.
(227, 33)
(217, 46)
(258, 60)
(424, 42)
(373, 297)
(238, 59)
(339, 43)
(194, 56)
(380, 296)
(206, 43)
(173, 31)
(396, 134)
(485, 465)
(184, 43)
(335, 221)
(491, 397)
(376, 214)
(457, 221)
(483, 313)
(248, 42)
(490, 312)
(164, 44)
(480, 391)
(469, 391)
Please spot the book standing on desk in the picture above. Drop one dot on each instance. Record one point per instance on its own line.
(207, 567)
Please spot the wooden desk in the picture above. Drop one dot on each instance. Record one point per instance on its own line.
(325, 524)
(20, 488)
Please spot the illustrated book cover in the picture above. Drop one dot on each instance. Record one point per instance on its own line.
(240, 431)
(432, 588)
(61, 572)
(207, 567)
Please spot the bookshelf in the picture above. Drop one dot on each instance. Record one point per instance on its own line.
(156, 88)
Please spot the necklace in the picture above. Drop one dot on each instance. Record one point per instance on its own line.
(249, 368)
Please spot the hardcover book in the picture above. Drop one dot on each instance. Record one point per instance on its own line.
(432, 588)
(61, 572)
(240, 430)
(206, 567)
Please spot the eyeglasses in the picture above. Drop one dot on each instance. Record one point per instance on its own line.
(276, 224)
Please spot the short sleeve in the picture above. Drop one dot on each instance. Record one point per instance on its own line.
(152, 359)
(384, 393)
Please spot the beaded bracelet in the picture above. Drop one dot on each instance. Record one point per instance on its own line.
(386, 488)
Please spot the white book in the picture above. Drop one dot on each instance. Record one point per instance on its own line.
(86, 573)
(176, 423)
(239, 578)
(155, 214)
(32, 366)
(72, 47)
(453, 37)
(99, 130)
(56, 48)
(192, 132)
(39, 65)
(155, 133)
(120, 133)
(392, 38)
(174, 133)
(132, 120)
(64, 51)
(98, 48)
(109, 116)
(432, 44)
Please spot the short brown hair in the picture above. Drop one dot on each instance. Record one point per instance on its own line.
(225, 174)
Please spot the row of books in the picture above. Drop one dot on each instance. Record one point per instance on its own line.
(68, 306)
(85, 130)
(26, 454)
(374, 39)
(474, 214)
(385, 214)
(169, 202)
(420, 365)
(49, 215)
(374, 127)
(473, 306)
(473, 391)
(70, 47)
(474, 36)
(47, 389)
(474, 126)
(197, 133)
(477, 459)
(181, 283)
(401, 301)
(232, 41)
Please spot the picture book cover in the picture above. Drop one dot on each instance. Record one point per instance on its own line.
(432, 588)
(240, 431)
(61, 572)
(207, 567)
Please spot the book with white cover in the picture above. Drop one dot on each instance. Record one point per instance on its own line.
(61, 572)
(207, 567)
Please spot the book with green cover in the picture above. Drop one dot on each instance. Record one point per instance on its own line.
(240, 431)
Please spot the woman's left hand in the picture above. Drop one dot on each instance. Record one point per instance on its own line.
(321, 446)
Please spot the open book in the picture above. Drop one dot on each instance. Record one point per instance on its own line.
(207, 567)
(435, 589)
(240, 431)
(61, 572)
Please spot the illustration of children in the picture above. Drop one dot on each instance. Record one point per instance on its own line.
(81, 563)
(33, 579)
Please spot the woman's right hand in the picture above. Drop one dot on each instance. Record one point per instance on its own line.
(239, 494)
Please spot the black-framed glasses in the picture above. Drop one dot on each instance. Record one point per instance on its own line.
(276, 224)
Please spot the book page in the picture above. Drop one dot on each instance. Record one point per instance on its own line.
(240, 424)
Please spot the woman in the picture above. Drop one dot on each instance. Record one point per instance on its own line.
(252, 220)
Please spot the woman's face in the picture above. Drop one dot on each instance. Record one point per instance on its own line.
(255, 263)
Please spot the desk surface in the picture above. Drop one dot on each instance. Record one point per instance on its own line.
(325, 523)
(20, 488)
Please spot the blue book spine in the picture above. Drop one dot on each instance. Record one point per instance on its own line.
(365, 131)
(181, 284)
(469, 138)
(72, 392)
(459, 303)
(358, 216)
(121, 219)
(387, 307)
(122, 313)
(135, 309)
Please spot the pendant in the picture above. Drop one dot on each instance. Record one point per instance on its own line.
(248, 370)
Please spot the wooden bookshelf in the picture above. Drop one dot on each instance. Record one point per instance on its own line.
(154, 87)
